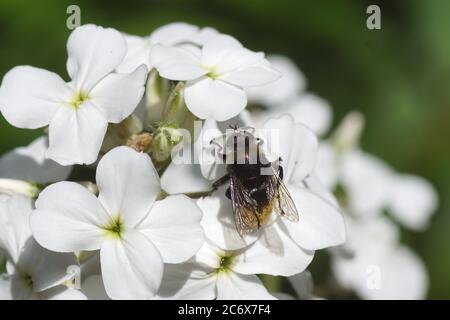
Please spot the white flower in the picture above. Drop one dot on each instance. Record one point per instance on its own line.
(379, 267)
(371, 186)
(303, 286)
(29, 164)
(12, 186)
(177, 33)
(282, 91)
(369, 183)
(411, 200)
(216, 274)
(33, 272)
(215, 76)
(307, 108)
(287, 95)
(135, 233)
(77, 112)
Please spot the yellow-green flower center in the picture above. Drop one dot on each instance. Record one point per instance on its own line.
(28, 280)
(225, 263)
(212, 72)
(115, 228)
(78, 99)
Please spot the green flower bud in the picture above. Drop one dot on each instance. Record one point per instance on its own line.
(348, 133)
(164, 139)
(176, 111)
(157, 91)
(12, 186)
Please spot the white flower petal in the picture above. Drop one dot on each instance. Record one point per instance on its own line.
(5, 287)
(308, 109)
(128, 184)
(251, 76)
(295, 144)
(363, 230)
(366, 180)
(390, 274)
(275, 253)
(14, 226)
(173, 33)
(173, 226)
(184, 178)
(218, 222)
(14, 287)
(187, 281)
(210, 167)
(29, 164)
(291, 83)
(233, 286)
(315, 185)
(132, 267)
(225, 54)
(68, 218)
(63, 293)
(303, 285)
(29, 97)
(320, 224)
(184, 175)
(314, 112)
(208, 256)
(412, 200)
(208, 98)
(327, 167)
(117, 95)
(176, 63)
(75, 136)
(218, 46)
(138, 50)
(93, 53)
(202, 36)
(46, 268)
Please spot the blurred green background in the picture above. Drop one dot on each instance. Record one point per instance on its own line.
(399, 76)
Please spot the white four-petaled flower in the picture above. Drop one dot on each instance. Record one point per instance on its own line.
(172, 34)
(77, 112)
(135, 233)
(215, 76)
(32, 271)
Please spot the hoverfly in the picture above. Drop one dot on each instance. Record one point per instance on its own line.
(254, 195)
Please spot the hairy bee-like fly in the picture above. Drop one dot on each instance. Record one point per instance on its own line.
(256, 187)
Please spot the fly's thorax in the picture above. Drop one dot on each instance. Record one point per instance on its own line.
(242, 147)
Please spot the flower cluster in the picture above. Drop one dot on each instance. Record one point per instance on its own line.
(105, 206)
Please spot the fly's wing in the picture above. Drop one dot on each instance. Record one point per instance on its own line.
(282, 201)
(244, 207)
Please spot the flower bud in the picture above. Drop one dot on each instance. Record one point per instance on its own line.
(11, 187)
(348, 133)
(164, 139)
(157, 91)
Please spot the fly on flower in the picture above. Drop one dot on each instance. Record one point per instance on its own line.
(256, 187)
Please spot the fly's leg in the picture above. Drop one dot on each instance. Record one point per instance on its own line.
(220, 182)
(280, 171)
(228, 193)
